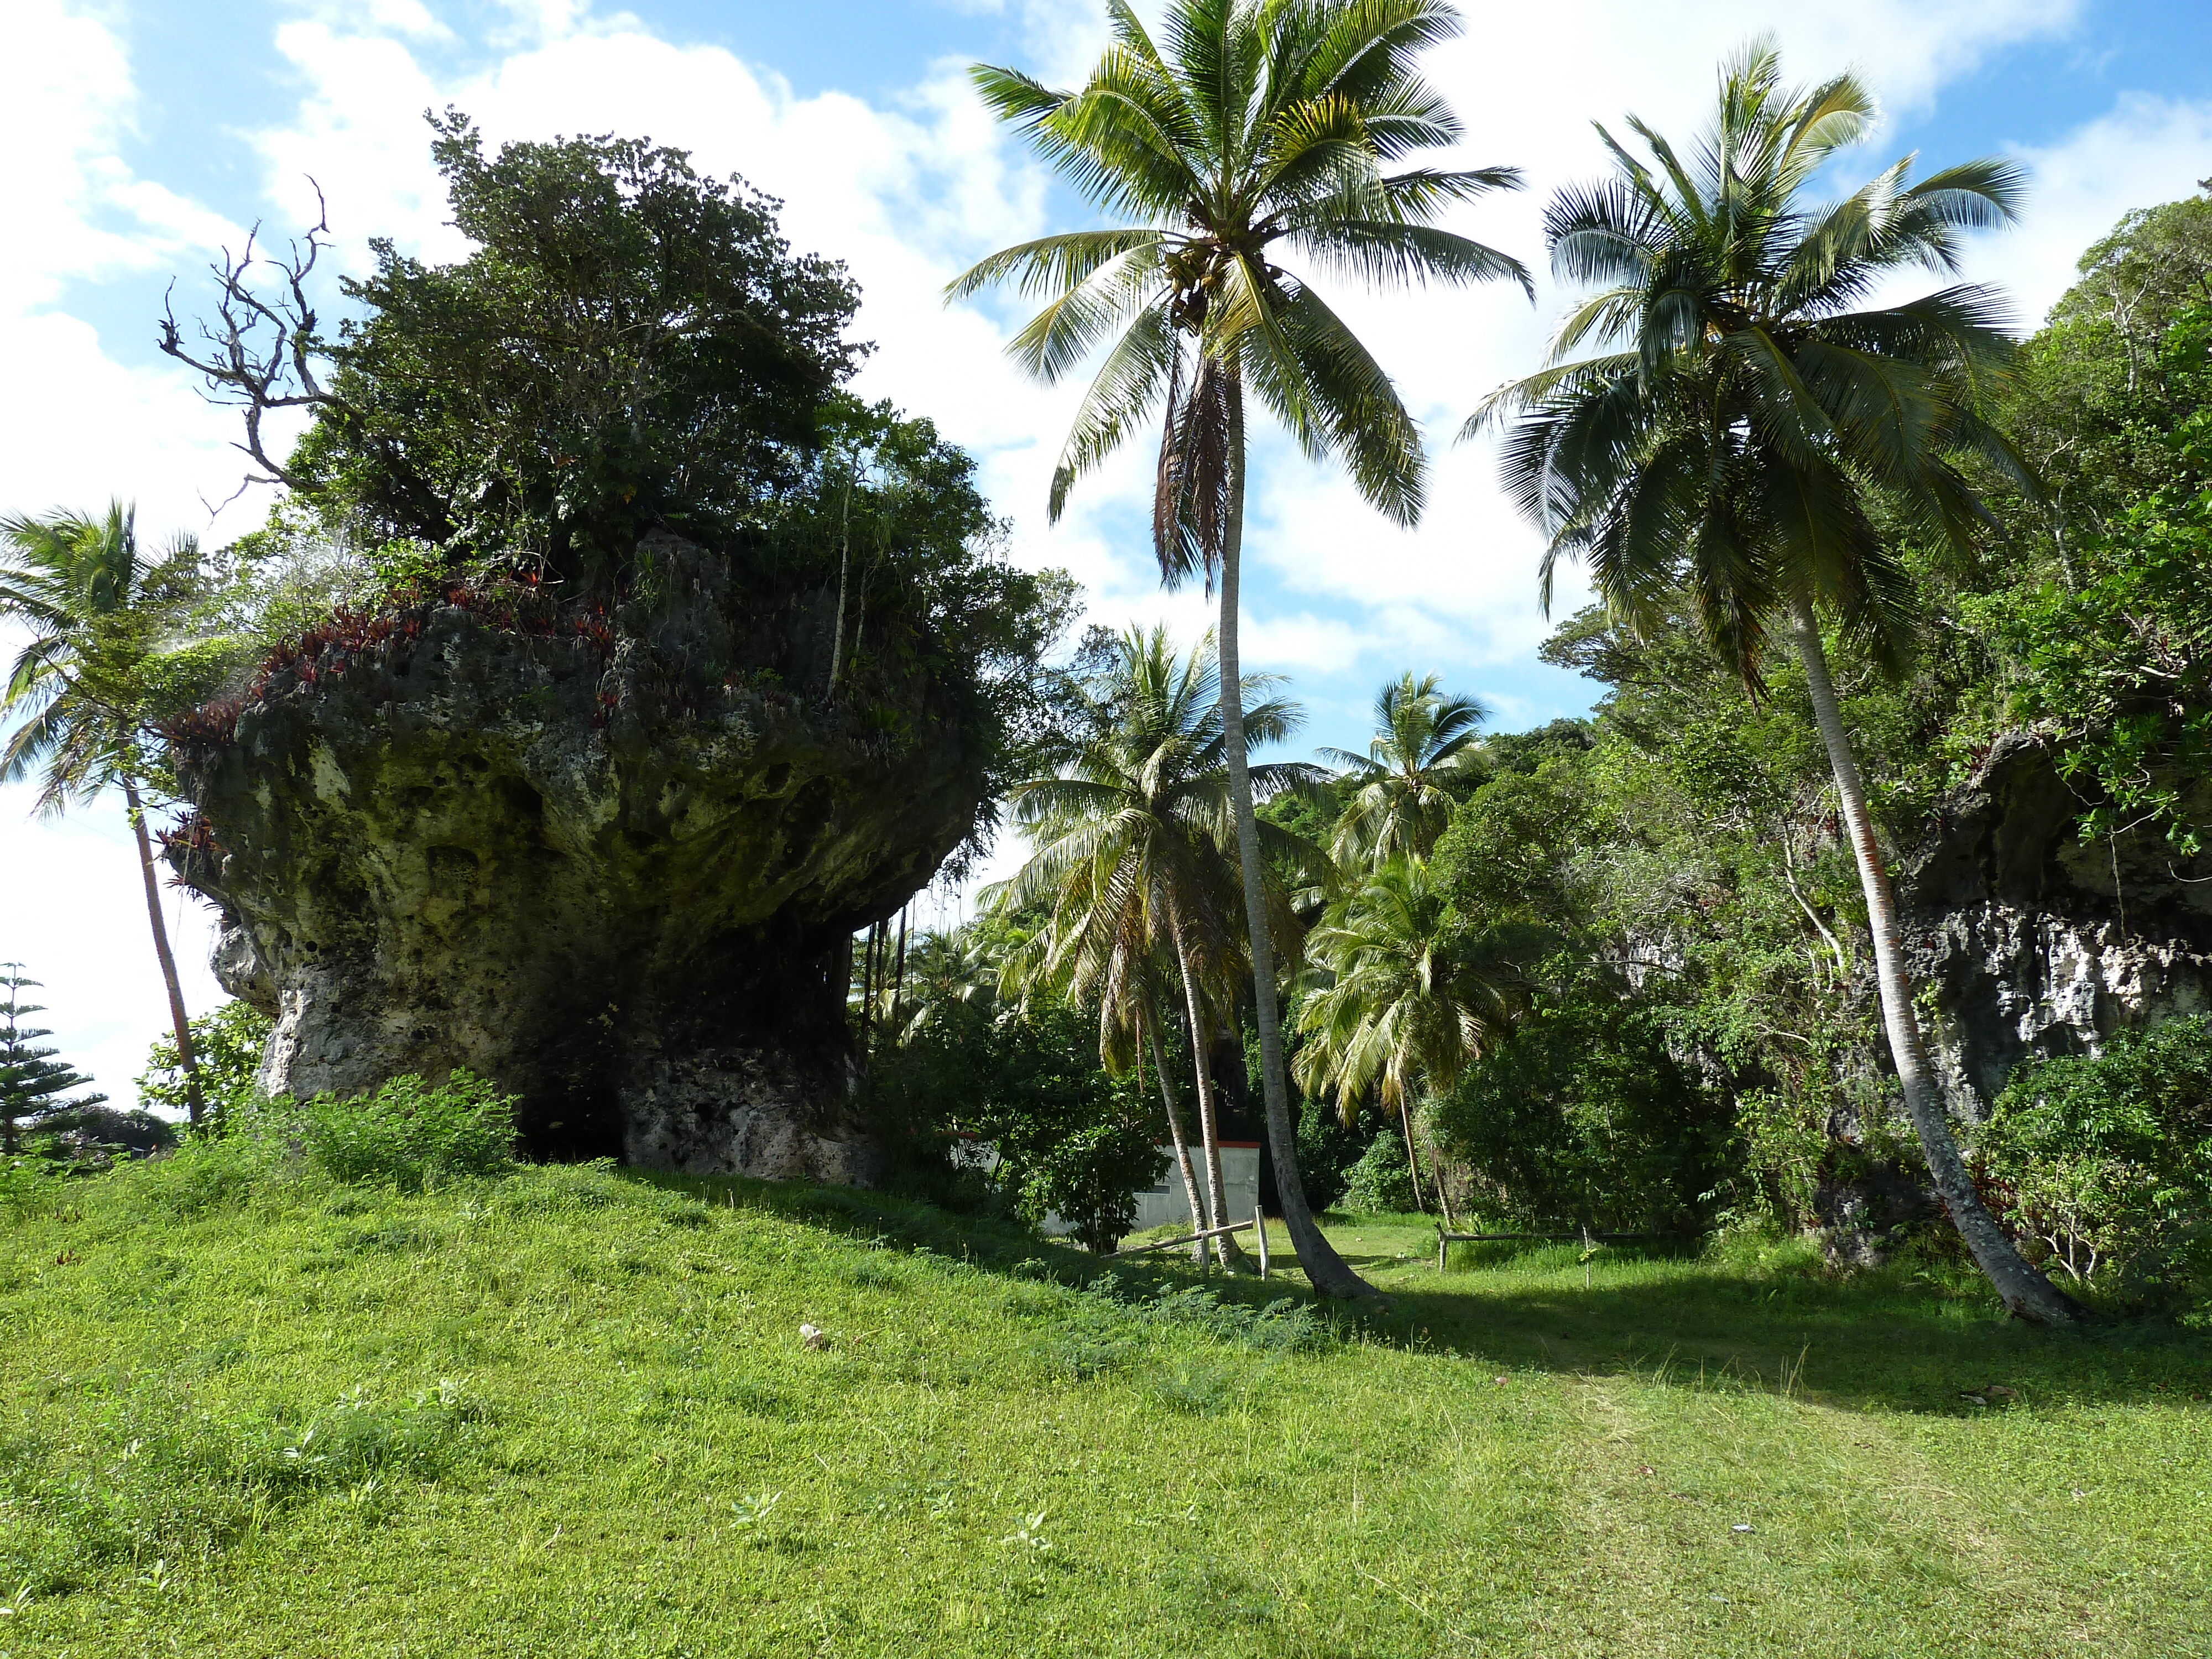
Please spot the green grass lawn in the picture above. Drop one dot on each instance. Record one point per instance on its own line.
(570, 1414)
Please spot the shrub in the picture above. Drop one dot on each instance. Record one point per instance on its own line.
(1582, 1114)
(2106, 1161)
(1380, 1183)
(411, 1133)
(227, 1043)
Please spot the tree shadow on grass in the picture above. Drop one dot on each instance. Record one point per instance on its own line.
(1898, 1339)
(1894, 1339)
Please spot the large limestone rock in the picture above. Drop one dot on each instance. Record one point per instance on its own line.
(2030, 941)
(611, 861)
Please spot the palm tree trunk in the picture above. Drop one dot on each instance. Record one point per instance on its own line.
(1412, 1159)
(1175, 1132)
(187, 1062)
(1325, 1270)
(844, 568)
(1209, 1131)
(898, 975)
(2025, 1292)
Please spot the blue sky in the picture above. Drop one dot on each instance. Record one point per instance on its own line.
(143, 134)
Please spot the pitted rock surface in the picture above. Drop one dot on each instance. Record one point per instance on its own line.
(618, 874)
(2033, 942)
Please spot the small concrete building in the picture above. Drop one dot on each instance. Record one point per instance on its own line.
(1165, 1201)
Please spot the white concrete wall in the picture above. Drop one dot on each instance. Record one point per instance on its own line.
(1165, 1202)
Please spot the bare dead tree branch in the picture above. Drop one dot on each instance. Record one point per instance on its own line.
(260, 355)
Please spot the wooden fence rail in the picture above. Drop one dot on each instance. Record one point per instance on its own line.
(1210, 1232)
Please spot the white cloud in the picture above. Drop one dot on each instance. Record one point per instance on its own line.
(80, 928)
(2145, 150)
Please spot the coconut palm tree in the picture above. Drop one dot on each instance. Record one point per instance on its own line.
(1752, 410)
(1420, 764)
(945, 969)
(1402, 1002)
(1102, 948)
(1133, 835)
(77, 690)
(1260, 131)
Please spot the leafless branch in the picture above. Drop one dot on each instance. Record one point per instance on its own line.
(259, 353)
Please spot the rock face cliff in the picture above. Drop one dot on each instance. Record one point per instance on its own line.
(611, 859)
(2028, 940)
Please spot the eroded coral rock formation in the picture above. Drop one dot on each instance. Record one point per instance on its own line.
(2029, 941)
(611, 860)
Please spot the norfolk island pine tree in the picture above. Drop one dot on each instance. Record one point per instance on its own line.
(1254, 129)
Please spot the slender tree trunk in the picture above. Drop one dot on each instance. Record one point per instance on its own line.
(187, 1061)
(1413, 1158)
(898, 975)
(1437, 1180)
(1325, 1270)
(844, 566)
(1209, 1131)
(1175, 1132)
(2025, 1291)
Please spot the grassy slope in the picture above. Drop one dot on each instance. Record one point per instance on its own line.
(1512, 1462)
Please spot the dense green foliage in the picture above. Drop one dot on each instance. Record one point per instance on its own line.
(1584, 1116)
(1026, 1081)
(570, 1411)
(226, 1042)
(680, 355)
(2106, 1161)
(411, 1133)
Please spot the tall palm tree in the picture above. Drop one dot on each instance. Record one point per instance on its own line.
(1752, 410)
(1132, 832)
(1265, 130)
(1402, 1001)
(76, 690)
(1420, 764)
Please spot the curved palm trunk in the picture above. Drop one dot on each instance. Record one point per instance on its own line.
(1175, 1133)
(1209, 1133)
(186, 1060)
(2025, 1291)
(1325, 1270)
(1413, 1158)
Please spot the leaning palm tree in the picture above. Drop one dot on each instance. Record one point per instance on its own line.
(1132, 832)
(85, 594)
(1265, 130)
(1753, 410)
(1403, 1000)
(1420, 764)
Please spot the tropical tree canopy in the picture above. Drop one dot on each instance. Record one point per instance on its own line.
(1753, 413)
(93, 676)
(1420, 764)
(678, 356)
(1250, 135)
(1405, 1000)
(1135, 848)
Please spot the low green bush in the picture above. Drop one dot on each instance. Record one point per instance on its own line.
(2106, 1164)
(411, 1133)
(1380, 1183)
